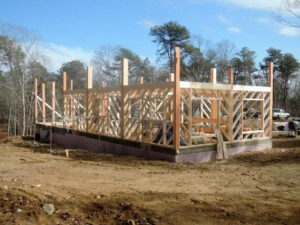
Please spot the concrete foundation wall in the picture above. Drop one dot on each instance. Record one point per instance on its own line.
(69, 139)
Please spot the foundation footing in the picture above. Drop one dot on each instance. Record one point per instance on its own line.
(103, 144)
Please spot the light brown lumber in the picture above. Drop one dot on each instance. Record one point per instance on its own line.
(53, 103)
(67, 153)
(124, 82)
(65, 107)
(171, 77)
(271, 97)
(71, 101)
(219, 155)
(64, 81)
(89, 77)
(88, 103)
(44, 103)
(214, 103)
(230, 105)
(176, 135)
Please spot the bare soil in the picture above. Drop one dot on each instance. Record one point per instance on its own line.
(86, 188)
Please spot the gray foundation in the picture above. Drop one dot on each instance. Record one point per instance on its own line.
(103, 144)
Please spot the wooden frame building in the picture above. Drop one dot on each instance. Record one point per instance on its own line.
(173, 117)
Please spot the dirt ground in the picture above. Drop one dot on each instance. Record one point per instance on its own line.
(249, 188)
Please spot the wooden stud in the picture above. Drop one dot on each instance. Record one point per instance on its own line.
(71, 102)
(53, 103)
(89, 77)
(190, 115)
(271, 66)
(36, 112)
(64, 98)
(230, 105)
(64, 81)
(213, 75)
(88, 103)
(214, 103)
(176, 126)
(171, 77)
(104, 111)
(44, 103)
(124, 72)
(124, 82)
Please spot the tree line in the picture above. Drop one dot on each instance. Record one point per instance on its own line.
(21, 61)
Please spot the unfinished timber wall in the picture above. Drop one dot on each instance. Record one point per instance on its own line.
(177, 117)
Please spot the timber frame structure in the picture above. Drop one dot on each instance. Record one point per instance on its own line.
(173, 116)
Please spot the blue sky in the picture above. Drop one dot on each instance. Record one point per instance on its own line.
(74, 29)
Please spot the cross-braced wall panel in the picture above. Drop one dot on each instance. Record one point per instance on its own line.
(148, 113)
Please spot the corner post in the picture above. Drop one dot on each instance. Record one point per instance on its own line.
(88, 104)
(230, 106)
(44, 103)
(36, 112)
(124, 106)
(53, 103)
(176, 126)
(271, 66)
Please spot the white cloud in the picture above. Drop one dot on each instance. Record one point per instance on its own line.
(224, 20)
(59, 54)
(265, 20)
(255, 4)
(234, 29)
(290, 31)
(147, 23)
(229, 24)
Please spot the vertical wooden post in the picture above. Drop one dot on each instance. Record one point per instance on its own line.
(53, 103)
(64, 81)
(124, 108)
(89, 85)
(44, 103)
(230, 106)
(190, 115)
(65, 108)
(71, 102)
(140, 115)
(176, 126)
(89, 77)
(36, 112)
(214, 103)
(271, 66)
(104, 106)
(171, 77)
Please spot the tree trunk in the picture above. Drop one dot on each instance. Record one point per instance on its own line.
(8, 123)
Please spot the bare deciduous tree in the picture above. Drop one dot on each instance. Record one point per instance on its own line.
(290, 13)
